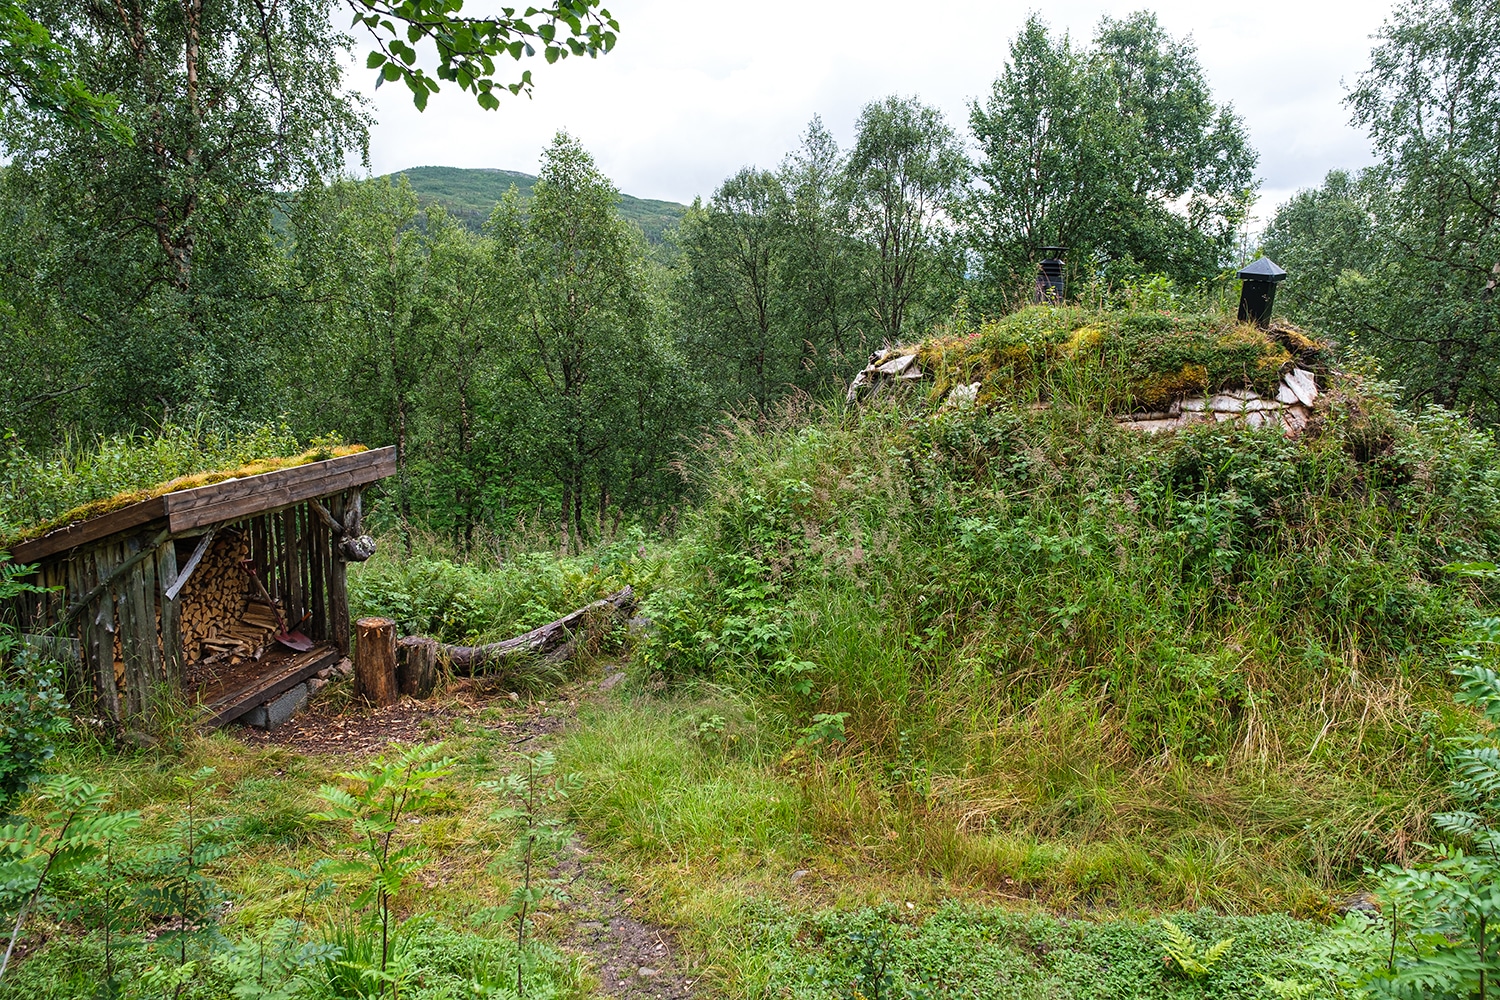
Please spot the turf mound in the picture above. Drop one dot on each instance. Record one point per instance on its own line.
(1043, 628)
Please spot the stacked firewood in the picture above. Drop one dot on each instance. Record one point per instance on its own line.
(222, 618)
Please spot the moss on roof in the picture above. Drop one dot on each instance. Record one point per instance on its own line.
(106, 505)
(1123, 361)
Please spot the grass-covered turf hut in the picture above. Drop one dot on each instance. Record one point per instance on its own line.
(179, 590)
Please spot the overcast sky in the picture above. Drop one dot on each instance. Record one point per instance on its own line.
(694, 91)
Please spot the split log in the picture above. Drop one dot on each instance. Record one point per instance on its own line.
(375, 661)
(537, 642)
(417, 665)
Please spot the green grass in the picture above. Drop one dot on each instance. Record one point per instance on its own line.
(471, 195)
(976, 693)
(262, 798)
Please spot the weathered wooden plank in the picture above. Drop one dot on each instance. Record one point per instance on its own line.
(228, 707)
(318, 575)
(132, 648)
(99, 619)
(150, 623)
(141, 553)
(171, 626)
(239, 498)
(338, 590)
(98, 650)
(81, 684)
(271, 501)
(91, 530)
(293, 604)
(305, 521)
(362, 464)
(174, 587)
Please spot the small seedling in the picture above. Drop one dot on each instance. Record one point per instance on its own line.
(532, 789)
(827, 727)
(73, 829)
(374, 804)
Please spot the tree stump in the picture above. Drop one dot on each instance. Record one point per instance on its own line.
(417, 665)
(375, 661)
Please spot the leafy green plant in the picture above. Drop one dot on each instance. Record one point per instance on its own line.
(174, 885)
(826, 727)
(534, 791)
(72, 829)
(1183, 953)
(33, 712)
(869, 952)
(373, 803)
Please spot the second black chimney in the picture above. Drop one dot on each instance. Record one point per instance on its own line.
(1049, 279)
(1259, 279)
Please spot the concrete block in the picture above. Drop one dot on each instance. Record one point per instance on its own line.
(276, 711)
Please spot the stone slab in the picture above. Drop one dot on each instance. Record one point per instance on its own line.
(1302, 384)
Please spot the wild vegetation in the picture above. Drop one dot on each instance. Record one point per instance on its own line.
(949, 691)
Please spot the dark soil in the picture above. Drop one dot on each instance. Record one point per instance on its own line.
(331, 726)
(633, 960)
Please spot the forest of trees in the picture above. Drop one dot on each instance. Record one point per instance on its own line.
(188, 247)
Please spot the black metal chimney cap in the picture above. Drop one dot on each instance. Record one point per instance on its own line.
(1053, 253)
(1264, 269)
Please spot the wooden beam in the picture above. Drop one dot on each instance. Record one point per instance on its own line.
(175, 585)
(83, 532)
(239, 498)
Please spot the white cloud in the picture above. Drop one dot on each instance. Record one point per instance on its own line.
(694, 91)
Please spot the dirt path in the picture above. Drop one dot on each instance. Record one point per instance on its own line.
(632, 959)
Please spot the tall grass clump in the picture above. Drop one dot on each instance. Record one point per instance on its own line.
(1202, 666)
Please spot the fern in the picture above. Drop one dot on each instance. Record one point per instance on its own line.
(1183, 952)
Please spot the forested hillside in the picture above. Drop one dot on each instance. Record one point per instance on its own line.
(470, 195)
(797, 596)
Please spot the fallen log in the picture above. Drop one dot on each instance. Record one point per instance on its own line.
(539, 641)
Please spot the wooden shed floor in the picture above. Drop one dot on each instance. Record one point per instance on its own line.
(235, 690)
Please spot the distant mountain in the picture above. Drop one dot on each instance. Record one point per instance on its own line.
(471, 194)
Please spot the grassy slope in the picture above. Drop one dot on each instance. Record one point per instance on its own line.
(1075, 663)
(471, 194)
(1080, 672)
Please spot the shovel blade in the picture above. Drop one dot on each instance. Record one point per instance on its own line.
(295, 641)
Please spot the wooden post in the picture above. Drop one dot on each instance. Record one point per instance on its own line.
(338, 591)
(416, 665)
(171, 633)
(375, 660)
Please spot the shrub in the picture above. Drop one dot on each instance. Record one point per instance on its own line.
(33, 712)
